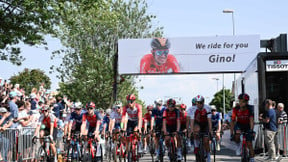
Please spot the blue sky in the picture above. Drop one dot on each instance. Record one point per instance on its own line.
(183, 18)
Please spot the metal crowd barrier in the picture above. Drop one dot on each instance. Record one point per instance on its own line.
(282, 138)
(16, 144)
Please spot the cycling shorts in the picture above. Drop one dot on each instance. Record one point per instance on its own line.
(131, 125)
(204, 128)
(171, 128)
(244, 128)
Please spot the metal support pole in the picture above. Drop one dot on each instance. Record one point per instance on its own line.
(223, 97)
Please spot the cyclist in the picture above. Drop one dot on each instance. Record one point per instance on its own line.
(47, 123)
(159, 61)
(171, 124)
(201, 115)
(190, 110)
(216, 125)
(75, 120)
(91, 119)
(134, 111)
(242, 120)
(157, 120)
(115, 117)
(104, 126)
(183, 118)
(147, 125)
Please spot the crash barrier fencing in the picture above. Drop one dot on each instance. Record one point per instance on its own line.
(16, 144)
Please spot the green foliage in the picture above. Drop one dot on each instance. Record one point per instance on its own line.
(90, 35)
(218, 100)
(24, 21)
(29, 79)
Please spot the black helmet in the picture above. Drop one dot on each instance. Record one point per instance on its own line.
(160, 43)
(244, 96)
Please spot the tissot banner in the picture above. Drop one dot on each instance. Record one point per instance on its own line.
(187, 54)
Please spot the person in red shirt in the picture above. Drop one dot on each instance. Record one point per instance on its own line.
(171, 124)
(147, 126)
(183, 118)
(242, 120)
(93, 119)
(159, 61)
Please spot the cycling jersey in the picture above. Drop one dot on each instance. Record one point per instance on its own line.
(148, 65)
(215, 120)
(242, 116)
(117, 116)
(157, 114)
(47, 121)
(92, 120)
(147, 118)
(77, 120)
(171, 117)
(201, 116)
(106, 121)
(132, 114)
(183, 118)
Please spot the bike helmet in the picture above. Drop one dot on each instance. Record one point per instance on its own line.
(194, 101)
(243, 96)
(90, 104)
(158, 101)
(213, 107)
(77, 105)
(149, 107)
(118, 104)
(183, 106)
(131, 97)
(199, 98)
(171, 102)
(160, 43)
(108, 111)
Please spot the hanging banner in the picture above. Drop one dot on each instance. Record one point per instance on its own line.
(187, 54)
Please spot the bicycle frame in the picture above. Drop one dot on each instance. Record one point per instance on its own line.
(172, 147)
(244, 150)
(75, 146)
(201, 152)
(45, 146)
(133, 139)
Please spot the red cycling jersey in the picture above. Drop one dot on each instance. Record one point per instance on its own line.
(183, 118)
(92, 119)
(171, 117)
(242, 116)
(132, 114)
(147, 117)
(47, 121)
(201, 115)
(148, 65)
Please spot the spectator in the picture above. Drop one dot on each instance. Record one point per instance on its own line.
(33, 101)
(13, 108)
(5, 122)
(281, 116)
(58, 107)
(23, 118)
(270, 128)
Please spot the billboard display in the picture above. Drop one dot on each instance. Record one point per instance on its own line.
(187, 54)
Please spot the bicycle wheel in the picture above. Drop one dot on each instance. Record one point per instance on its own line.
(151, 148)
(161, 152)
(172, 151)
(244, 156)
(184, 149)
(214, 149)
(41, 155)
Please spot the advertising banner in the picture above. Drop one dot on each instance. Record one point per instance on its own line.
(187, 54)
(277, 65)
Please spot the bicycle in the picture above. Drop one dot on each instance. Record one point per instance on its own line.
(151, 146)
(200, 154)
(44, 151)
(184, 145)
(74, 148)
(172, 147)
(89, 151)
(160, 145)
(133, 154)
(244, 149)
(213, 145)
(108, 148)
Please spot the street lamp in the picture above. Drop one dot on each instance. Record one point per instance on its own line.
(217, 79)
(233, 23)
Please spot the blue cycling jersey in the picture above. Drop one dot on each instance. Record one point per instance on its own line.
(158, 115)
(215, 119)
(77, 118)
(106, 120)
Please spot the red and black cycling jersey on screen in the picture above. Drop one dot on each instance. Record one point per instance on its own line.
(92, 119)
(148, 65)
(242, 116)
(171, 117)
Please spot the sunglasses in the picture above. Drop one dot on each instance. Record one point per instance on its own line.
(77, 109)
(161, 52)
(44, 110)
(213, 110)
(130, 101)
(118, 107)
(199, 103)
(172, 106)
(90, 108)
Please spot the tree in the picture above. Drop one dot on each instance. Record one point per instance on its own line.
(29, 79)
(218, 100)
(90, 35)
(24, 21)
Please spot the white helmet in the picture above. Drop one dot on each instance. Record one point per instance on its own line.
(108, 111)
(77, 105)
(158, 101)
(118, 104)
(213, 107)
